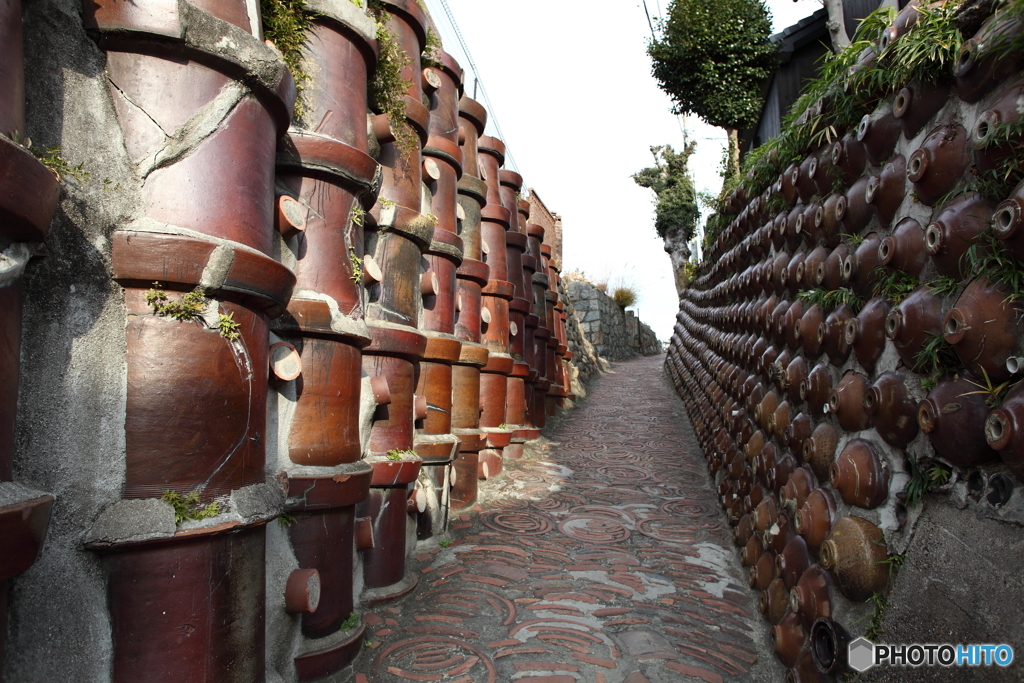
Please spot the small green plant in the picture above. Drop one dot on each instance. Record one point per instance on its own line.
(895, 561)
(50, 158)
(624, 296)
(689, 272)
(433, 45)
(987, 258)
(937, 355)
(894, 286)
(285, 23)
(944, 285)
(396, 454)
(188, 507)
(358, 214)
(357, 265)
(829, 299)
(994, 393)
(503, 426)
(189, 307)
(853, 240)
(350, 623)
(444, 543)
(385, 202)
(285, 519)
(874, 630)
(387, 88)
(924, 479)
(227, 326)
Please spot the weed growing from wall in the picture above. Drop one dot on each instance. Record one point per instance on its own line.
(387, 87)
(285, 23)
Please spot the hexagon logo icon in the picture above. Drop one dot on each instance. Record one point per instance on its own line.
(861, 654)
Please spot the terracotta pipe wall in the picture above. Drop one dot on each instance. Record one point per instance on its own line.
(395, 310)
(28, 199)
(443, 167)
(208, 226)
(403, 233)
(497, 295)
(472, 277)
(324, 165)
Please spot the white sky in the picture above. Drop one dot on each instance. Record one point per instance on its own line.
(571, 87)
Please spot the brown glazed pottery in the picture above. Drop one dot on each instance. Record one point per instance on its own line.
(984, 329)
(848, 157)
(852, 212)
(774, 601)
(815, 518)
(1004, 431)
(788, 638)
(793, 561)
(1008, 222)
(904, 249)
(960, 225)
(829, 643)
(752, 551)
(983, 61)
(817, 388)
(855, 555)
(846, 402)
(879, 132)
(765, 514)
(937, 166)
(886, 191)
(810, 597)
(743, 531)
(795, 374)
(799, 431)
(991, 148)
(763, 572)
(859, 268)
(915, 322)
(915, 105)
(795, 491)
(830, 271)
(893, 412)
(866, 333)
(804, 669)
(832, 335)
(859, 476)
(807, 330)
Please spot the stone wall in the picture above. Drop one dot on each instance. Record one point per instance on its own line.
(615, 334)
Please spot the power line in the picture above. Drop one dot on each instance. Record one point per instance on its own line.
(479, 82)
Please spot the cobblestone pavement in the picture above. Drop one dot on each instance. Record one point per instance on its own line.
(601, 557)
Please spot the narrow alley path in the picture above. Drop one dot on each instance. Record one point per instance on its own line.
(603, 557)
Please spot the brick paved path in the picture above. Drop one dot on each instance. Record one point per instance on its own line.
(601, 558)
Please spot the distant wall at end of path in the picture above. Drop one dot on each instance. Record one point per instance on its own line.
(598, 329)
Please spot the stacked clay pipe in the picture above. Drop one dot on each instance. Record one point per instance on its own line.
(373, 321)
(28, 199)
(196, 413)
(813, 418)
(326, 176)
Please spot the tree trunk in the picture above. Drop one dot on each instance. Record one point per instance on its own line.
(734, 152)
(837, 25)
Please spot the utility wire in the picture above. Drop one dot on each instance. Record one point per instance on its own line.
(479, 83)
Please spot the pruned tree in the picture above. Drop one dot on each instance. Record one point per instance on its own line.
(675, 205)
(712, 58)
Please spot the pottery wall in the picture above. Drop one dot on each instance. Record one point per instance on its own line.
(315, 333)
(853, 475)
